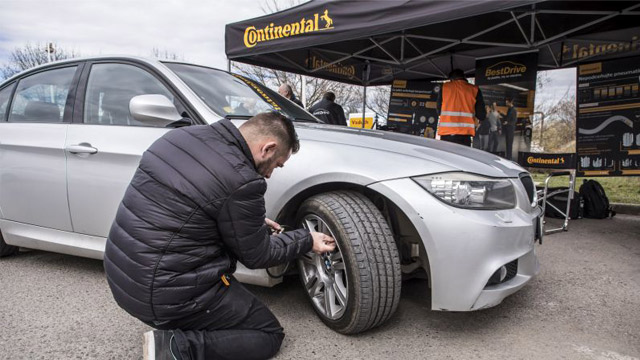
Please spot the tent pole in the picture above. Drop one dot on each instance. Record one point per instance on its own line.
(365, 81)
(364, 104)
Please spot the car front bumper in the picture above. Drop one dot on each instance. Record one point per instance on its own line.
(466, 247)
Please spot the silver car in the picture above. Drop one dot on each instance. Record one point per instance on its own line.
(72, 134)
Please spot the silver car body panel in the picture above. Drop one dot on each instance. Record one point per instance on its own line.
(464, 247)
(33, 185)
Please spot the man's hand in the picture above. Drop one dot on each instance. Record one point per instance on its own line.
(322, 243)
(272, 224)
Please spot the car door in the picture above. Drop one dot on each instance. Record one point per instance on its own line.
(33, 188)
(104, 143)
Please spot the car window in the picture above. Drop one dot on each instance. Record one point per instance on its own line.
(5, 95)
(235, 96)
(42, 97)
(110, 89)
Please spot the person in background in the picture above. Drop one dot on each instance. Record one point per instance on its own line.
(286, 91)
(510, 119)
(483, 132)
(495, 127)
(458, 104)
(328, 111)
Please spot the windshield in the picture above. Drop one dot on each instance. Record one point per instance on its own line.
(234, 96)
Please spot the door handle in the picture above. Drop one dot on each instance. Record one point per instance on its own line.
(82, 148)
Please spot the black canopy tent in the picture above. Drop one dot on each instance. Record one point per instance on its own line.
(373, 42)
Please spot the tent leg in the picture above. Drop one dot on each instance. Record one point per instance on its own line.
(364, 104)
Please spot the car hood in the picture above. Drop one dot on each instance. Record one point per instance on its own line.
(425, 156)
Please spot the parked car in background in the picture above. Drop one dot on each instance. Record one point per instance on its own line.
(72, 134)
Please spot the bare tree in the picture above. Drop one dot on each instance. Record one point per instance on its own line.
(166, 55)
(31, 55)
(559, 133)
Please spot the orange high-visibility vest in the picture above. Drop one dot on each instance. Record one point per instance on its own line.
(458, 108)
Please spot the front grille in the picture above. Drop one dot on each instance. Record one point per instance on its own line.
(529, 186)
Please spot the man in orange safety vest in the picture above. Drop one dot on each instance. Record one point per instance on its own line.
(459, 104)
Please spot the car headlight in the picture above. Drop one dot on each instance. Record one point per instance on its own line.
(470, 191)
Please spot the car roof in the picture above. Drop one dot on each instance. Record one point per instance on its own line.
(139, 59)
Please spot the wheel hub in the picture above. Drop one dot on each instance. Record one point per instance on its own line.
(324, 276)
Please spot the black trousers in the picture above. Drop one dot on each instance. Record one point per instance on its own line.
(508, 138)
(493, 141)
(238, 326)
(458, 139)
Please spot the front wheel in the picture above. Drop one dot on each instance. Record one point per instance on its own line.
(357, 286)
(7, 250)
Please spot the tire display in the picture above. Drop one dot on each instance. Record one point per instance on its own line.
(357, 286)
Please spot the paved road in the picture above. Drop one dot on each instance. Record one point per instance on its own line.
(585, 304)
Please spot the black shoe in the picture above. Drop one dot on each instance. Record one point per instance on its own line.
(160, 345)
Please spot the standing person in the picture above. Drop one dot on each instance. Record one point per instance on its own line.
(287, 91)
(328, 111)
(493, 118)
(458, 104)
(509, 127)
(195, 206)
(483, 131)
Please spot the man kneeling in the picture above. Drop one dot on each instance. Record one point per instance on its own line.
(194, 207)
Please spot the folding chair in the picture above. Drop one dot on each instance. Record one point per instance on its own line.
(544, 194)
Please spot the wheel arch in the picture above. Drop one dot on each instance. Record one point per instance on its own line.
(403, 230)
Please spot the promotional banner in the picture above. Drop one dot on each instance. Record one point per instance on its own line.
(547, 161)
(608, 118)
(511, 76)
(412, 107)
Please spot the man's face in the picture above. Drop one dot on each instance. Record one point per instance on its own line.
(283, 92)
(271, 157)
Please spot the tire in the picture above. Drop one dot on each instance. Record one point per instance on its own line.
(7, 250)
(363, 274)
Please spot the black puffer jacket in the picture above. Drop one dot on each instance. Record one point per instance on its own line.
(194, 206)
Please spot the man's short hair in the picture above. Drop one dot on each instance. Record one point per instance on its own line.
(509, 99)
(456, 74)
(329, 96)
(277, 125)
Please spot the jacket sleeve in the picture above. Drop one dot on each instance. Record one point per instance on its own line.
(439, 101)
(246, 236)
(481, 110)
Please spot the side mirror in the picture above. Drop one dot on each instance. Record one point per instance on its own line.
(153, 109)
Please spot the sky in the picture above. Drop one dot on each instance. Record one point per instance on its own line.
(191, 29)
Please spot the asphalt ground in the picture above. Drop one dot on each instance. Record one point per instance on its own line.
(585, 304)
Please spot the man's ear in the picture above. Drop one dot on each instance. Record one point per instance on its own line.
(268, 149)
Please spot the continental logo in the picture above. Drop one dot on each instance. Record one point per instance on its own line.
(594, 49)
(552, 161)
(314, 62)
(505, 68)
(253, 35)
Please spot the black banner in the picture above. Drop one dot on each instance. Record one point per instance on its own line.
(511, 76)
(608, 118)
(514, 69)
(547, 161)
(412, 107)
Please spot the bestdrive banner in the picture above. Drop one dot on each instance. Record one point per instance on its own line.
(608, 118)
(511, 76)
(547, 161)
(514, 76)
